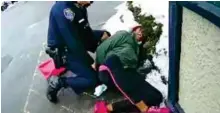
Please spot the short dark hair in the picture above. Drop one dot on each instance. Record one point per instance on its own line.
(108, 33)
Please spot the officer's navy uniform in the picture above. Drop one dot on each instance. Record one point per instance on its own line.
(69, 27)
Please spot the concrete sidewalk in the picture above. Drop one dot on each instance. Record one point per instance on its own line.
(69, 102)
(23, 87)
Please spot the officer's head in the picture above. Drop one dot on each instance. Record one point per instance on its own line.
(85, 3)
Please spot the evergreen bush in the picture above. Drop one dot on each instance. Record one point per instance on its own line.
(151, 30)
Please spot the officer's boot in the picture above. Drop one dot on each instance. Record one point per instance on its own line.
(54, 85)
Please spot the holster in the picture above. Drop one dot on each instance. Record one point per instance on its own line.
(58, 55)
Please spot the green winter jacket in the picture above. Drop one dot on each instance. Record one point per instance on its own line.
(124, 45)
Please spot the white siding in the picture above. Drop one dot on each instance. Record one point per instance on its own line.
(199, 65)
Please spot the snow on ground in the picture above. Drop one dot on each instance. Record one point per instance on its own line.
(123, 20)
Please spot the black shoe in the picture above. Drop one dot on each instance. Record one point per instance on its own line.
(52, 94)
(54, 85)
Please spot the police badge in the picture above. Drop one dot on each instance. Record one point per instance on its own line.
(69, 14)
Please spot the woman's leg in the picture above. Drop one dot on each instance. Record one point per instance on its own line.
(105, 78)
(121, 77)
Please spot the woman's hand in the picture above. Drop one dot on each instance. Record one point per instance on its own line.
(105, 36)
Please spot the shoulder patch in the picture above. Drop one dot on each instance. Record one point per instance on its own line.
(69, 14)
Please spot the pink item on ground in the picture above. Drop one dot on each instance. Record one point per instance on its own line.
(158, 110)
(47, 68)
(100, 107)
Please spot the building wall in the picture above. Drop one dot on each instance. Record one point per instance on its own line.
(199, 65)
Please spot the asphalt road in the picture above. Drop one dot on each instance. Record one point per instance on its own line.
(23, 36)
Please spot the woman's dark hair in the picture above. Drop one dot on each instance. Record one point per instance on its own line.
(108, 33)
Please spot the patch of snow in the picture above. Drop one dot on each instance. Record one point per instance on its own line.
(161, 60)
(155, 80)
(160, 11)
(115, 24)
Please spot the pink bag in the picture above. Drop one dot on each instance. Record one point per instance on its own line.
(47, 68)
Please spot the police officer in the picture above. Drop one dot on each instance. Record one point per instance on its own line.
(69, 28)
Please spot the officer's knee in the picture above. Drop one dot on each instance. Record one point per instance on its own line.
(93, 82)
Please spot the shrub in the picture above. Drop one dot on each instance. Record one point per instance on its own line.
(151, 30)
